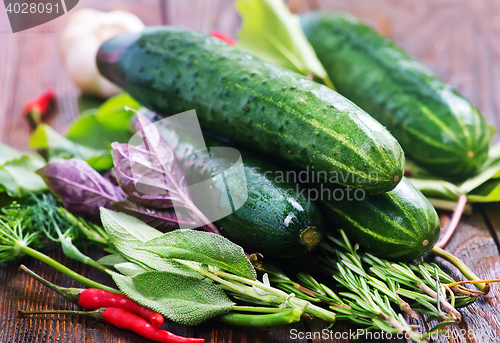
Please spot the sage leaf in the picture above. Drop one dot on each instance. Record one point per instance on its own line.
(127, 233)
(182, 299)
(111, 260)
(202, 247)
(269, 31)
(129, 269)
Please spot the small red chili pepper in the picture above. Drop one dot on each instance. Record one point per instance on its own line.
(93, 299)
(223, 37)
(126, 320)
(36, 108)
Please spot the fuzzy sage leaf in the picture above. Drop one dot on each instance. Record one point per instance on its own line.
(182, 299)
(202, 247)
(127, 233)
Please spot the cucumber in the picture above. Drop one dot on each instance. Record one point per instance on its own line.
(264, 107)
(276, 220)
(399, 225)
(437, 127)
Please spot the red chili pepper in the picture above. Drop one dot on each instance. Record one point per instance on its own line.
(223, 37)
(129, 321)
(126, 320)
(93, 299)
(36, 108)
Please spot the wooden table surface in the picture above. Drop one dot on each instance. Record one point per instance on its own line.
(457, 39)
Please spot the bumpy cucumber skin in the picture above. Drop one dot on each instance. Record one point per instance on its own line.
(275, 220)
(435, 125)
(399, 225)
(260, 105)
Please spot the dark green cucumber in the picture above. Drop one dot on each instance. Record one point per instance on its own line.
(436, 126)
(259, 105)
(399, 225)
(276, 220)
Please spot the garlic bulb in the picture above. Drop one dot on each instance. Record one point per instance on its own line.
(86, 30)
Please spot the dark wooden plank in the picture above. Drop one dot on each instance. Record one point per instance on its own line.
(474, 245)
(203, 16)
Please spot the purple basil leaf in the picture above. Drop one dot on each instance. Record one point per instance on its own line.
(164, 220)
(131, 181)
(149, 173)
(81, 188)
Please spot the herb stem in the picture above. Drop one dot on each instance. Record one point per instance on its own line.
(65, 270)
(258, 284)
(469, 274)
(258, 309)
(455, 315)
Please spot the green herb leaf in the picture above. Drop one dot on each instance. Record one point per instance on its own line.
(202, 247)
(17, 172)
(437, 188)
(111, 260)
(482, 187)
(8, 153)
(98, 128)
(129, 269)
(183, 299)
(59, 147)
(487, 192)
(127, 234)
(88, 102)
(271, 32)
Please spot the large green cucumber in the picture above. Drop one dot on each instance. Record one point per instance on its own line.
(262, 106)
(276, 220)
(436, 126)
(399, 225)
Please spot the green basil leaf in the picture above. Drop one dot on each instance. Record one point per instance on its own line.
(88, 102)
(182, 299)
(202, 247)
(59, 147)
(98, 128)
(271, 32)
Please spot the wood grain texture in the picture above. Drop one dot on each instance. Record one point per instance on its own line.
(474, 245)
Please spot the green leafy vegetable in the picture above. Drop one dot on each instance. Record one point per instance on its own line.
(482, 187)
(271, 32)
(111, 260)
(98, 128)
(183, 299)
(90, 136)
(59, 147)
(127, 233)
(129, 269)
(17, 172)
(202, 247)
